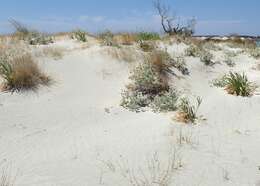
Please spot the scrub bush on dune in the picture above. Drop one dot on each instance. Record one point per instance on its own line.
(22, 73)
(235, 84)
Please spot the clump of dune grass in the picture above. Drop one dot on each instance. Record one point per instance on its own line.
(235, 84)
(193, 51)
(187, 112)
(107, 38)
(79, 35)
(147, 36)
(238, 42)
(210, 45)
(255, 53)
(166, 102)
(146, 46)
(229, 61)
(22, 73)
(33, 37)
(206, 57)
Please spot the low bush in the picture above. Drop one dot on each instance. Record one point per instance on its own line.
(147, 78)
(134, 100)
(228, 61)
(146, 46)
(22, 73)
(206, 57)
(255, 53)
(80, 35)
(235, 84)
(193, 51)
(107, 38)
(188, 112)
(165, 102)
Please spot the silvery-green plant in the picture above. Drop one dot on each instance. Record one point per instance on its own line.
(134, 100)
(187, 111)
(80, 35)
(166, 102)
(206, 57)
(255, 53)
(193, 50)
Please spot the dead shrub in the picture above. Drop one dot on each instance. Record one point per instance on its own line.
(22, 73)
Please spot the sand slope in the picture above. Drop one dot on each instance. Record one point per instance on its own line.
(74, 133)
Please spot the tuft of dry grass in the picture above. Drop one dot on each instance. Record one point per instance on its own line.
(22, 73)
(125, 38)
(53, 52)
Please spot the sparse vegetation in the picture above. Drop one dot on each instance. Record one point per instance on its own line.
(147, 36)
(255, 53)
(22, 73)
(235, 84)
(146, 46)
(193, 51)
(107, 38)
(33, 37)
(80, 35)
(166, 102)
(228, 61)
(188, 112)
(206, 57)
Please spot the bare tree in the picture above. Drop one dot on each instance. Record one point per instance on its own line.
(168, 22)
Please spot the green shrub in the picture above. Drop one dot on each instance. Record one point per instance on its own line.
(80, 35)
(235, 84)
(147, 79)
(145, 36)
(134, 100)
(193, 50)
(206, 57)
(238, 84)
(220, 82)
(179, 63)
(187, 111)
(228, 61)
(255, 53)
(165, 102)
(146, 46)
(107, 38)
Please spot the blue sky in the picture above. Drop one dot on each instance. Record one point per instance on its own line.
(213, 16)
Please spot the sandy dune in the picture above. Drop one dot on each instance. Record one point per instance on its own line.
(74, 133)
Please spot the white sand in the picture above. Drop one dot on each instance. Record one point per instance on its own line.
(76, 134)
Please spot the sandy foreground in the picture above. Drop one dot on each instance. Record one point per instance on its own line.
(74, 133)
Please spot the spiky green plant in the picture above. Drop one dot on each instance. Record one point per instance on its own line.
(80, 35)
(238, 84)
(187, 111)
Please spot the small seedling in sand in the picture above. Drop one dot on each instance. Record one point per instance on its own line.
(188, 112)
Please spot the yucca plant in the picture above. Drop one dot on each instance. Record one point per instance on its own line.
(80, 35)
(238, 84)
(187, 111)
